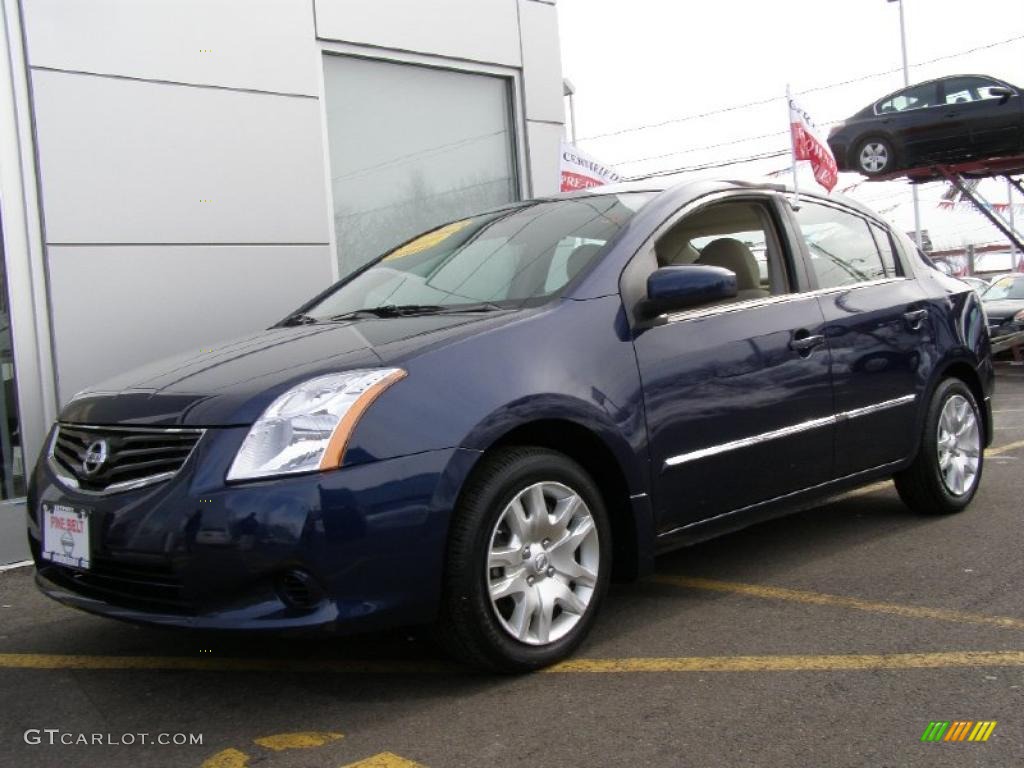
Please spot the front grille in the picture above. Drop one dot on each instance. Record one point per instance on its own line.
(110, 459)
(131, 583)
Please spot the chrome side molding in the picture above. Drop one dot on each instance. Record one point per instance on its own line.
(795, 429)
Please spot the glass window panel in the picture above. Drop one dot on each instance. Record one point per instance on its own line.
(412, 147)
(917, 97)
(885, 246)
(527, 253)
(12, 460)
(842, 250)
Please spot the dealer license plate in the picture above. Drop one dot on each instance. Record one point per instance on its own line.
(66, 535)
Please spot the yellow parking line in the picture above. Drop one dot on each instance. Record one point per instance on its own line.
(384, 760)
(681, 664)
(1005, 448)
(304, 740)
(227, 758)
(818, 598)
(952, 659)
(873, 488)
(213, 664)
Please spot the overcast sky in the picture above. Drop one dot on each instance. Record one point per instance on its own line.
(651, 61)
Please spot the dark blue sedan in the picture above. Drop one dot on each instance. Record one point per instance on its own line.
(480, 428)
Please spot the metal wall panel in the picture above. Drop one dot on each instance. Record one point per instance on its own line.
(477, 30)
(259, 44)
(127, 161)
(544, 139)
(542, 62)
(119, 307)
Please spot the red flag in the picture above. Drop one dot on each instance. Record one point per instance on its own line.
(807, 146)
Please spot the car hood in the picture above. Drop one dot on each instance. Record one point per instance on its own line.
(232, 383)
(1000, 310)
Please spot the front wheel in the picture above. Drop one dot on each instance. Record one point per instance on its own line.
(947, 470)
(528, 561)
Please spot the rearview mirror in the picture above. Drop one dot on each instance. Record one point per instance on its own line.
(674, 288)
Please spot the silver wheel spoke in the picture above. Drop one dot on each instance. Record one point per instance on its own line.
(522, 615)
(509, 585)
(578, 573)
(506, 557)
(564, 510)
(516, 517)
(567, 599)
(545, 613)
(572, 540)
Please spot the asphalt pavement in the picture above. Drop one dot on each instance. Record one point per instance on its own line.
(834, 637)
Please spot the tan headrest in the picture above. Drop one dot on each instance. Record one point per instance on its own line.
(736, 257)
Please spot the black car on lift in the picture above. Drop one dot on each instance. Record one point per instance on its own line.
(951, 119)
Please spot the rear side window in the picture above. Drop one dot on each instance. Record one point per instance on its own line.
(885, 245)
(841, 246)
(917, 97)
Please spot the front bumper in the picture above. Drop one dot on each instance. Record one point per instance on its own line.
(195, 552)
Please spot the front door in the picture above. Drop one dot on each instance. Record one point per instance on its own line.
(991, 122)
(875, 319)
(737, 394)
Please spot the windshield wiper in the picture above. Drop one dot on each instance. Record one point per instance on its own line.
(410, 310)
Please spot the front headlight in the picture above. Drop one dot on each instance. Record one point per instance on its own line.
(308, 427)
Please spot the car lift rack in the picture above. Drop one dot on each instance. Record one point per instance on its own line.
(986, 168)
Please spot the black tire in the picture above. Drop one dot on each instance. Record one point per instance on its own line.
(468, 626)
(884, 146)
(921, 485)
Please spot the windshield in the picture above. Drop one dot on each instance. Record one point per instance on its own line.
(1005, 288)
(501, 259)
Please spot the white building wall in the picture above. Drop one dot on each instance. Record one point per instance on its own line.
(182, 154)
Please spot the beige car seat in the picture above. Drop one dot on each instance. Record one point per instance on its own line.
(733, 255)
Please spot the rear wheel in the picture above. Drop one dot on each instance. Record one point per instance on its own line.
(945, 474)
(528, 561)
(875, 156)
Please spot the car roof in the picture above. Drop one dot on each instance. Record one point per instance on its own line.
(689, 188)
(929, 82)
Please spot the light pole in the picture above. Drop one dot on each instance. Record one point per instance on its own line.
(906, 81)
(569, 90)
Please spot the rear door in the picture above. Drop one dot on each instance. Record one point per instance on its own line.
(875, 320)
(737, 394)
(916, 120)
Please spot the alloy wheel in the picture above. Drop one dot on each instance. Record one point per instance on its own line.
(874, 157)
(959, 445)
(543, 563)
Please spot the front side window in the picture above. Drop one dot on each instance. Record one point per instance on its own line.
(737, 236)
(961, 90)
(410, 148)
(1005, 288)
(508, 258)
(917, 97)
(841, 247)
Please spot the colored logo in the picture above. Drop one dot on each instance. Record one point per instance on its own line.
(958, 730)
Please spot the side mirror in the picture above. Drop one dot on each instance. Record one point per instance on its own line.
(674, 288)
(1002, 93)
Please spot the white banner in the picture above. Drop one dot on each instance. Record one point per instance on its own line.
(581, 171)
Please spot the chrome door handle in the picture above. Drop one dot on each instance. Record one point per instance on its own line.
(806, 343)
(915, 318)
